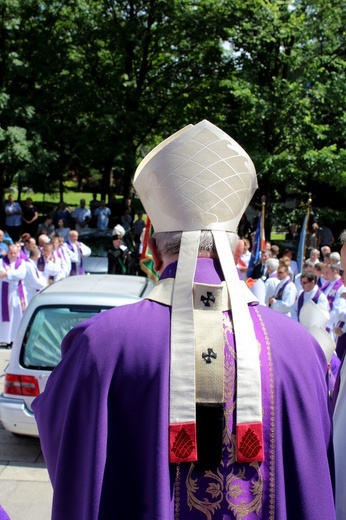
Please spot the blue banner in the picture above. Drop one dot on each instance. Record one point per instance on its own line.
(256, 248)
(301, 245)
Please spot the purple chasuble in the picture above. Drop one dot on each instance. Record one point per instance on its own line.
(107, 448)
(5, 310)
(341, 342)
(3, 514)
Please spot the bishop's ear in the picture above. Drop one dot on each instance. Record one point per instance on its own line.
(155, 254)
(238, 251)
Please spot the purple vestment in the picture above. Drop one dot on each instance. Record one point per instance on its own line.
(103, 422)
(3, 514)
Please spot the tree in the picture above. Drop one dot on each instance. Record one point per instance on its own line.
(288, 87)
(123, 74)
(92, 85)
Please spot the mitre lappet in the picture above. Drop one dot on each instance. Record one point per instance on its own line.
(201, 179)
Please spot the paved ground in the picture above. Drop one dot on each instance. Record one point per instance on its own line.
(25, 490)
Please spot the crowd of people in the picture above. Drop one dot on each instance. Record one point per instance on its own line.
(27, 266)
(201, 403)
(35, 254)
(286, 290)
(24, 218)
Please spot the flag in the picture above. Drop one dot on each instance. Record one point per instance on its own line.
(256, 246)
(262, 235)
(301, 245)
(146, 262)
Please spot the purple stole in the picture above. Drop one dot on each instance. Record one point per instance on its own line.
(5, 310)
(314, 299)
(341, 342)
(41, 263)
(332, 293)
(280, 292)
(73, 264)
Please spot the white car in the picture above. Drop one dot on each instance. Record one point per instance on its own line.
(48, 318)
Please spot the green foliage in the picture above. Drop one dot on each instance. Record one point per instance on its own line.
(87, 87)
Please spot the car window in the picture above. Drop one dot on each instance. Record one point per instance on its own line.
(49, 325)
(98, 245)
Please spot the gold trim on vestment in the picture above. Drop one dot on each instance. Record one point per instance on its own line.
(219, 488)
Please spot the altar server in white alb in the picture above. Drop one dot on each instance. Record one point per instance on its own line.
(13, 293)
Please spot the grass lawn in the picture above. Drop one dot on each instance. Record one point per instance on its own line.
(71, 198)
(277, 236)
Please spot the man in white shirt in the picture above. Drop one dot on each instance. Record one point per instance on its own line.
(82, 216)
(285, 294)
(102, 214)
(76, 251)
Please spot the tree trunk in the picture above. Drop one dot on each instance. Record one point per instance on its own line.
(106, 183)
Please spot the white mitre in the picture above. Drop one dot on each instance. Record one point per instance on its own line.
(201, 179)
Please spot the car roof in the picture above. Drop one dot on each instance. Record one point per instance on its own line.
(94, 289)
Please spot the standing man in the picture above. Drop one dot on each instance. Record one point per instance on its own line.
(272, 281)
(76, 251)
(260, 270)
(49, 265)
(34, 280)
(61, 257)
(82, 216)
(29, 217)
(102, 214)
(29, 244)
(13, 220)
(13, 294)
(285, 293)
(333, 286)
(117, 253)
(191, 404)
(310, 291)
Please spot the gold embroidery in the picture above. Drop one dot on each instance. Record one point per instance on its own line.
(177, 494)
(272, 421)
(225, 485)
